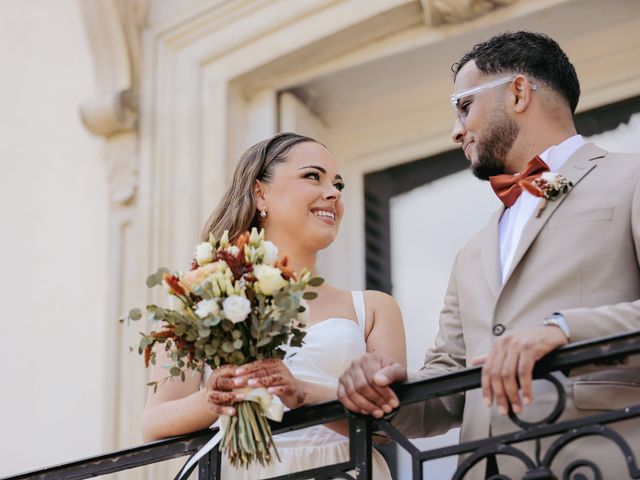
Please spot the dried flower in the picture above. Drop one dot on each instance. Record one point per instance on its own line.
(548, 186)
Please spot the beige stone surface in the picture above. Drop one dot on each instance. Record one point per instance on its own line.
(53, 285)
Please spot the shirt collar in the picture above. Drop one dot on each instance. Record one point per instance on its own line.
(556, 155)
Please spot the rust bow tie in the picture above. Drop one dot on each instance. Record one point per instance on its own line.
(507, 186)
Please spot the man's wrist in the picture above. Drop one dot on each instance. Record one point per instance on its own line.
(557, 320)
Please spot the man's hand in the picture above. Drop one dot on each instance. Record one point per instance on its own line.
(364, 386)
(512, 359)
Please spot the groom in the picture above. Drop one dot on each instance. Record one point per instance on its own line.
(542, 273)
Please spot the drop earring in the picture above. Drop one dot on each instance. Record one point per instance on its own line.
(263, 213)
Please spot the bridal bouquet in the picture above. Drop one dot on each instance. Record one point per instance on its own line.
(238, 304)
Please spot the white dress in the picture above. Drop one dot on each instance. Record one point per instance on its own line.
(329, 348)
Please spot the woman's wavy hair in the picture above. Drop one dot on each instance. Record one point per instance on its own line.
(237, 212)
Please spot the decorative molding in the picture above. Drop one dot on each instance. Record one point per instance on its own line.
(438, 12)
(114, 29)
(110, 115)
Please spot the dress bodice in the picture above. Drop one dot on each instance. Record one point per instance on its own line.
(329, 348)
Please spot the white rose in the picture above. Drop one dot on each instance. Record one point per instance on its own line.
(269, 279)
(204, 253)
(270, 253)
(176, 304)
(236, 308)
(207, 307)
(548, 176)
(233, 250)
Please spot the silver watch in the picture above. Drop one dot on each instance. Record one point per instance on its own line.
(557, 320)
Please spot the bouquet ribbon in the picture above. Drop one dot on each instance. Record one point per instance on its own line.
(272, 410)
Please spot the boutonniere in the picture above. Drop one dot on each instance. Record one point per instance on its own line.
(548, 186)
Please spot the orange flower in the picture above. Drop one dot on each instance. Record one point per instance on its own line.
(287, 273)
(174, 284)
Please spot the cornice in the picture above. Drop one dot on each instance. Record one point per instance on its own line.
(438, 12)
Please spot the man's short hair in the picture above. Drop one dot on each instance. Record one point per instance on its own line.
(528, 53)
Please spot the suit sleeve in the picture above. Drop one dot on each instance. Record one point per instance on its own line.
(447, 355)
(588, 323)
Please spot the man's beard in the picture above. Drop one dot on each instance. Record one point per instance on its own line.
(493, 150)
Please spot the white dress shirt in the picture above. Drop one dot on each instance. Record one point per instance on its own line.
(516, 217)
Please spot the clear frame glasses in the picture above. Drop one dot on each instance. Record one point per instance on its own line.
(456, 97)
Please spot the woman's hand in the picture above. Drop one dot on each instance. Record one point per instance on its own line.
(220, 394)
(275, 377)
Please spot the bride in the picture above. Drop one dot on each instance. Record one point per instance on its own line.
(289, 185)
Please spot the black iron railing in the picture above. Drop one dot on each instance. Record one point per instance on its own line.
(604, 350)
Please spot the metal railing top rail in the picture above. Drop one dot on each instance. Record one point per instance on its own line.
(603, 350)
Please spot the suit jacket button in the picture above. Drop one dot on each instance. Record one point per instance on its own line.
(498, 329)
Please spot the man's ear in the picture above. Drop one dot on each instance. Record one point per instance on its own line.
(522, 90)
(259, 191)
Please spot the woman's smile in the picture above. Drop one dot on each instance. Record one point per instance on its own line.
(327, 215)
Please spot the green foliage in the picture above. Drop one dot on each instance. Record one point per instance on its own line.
(193, 340)
(316, 282)
(156, 278)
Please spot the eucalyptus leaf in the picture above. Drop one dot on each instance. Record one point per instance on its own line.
(135, 314)
(209, 350)
(228, 347)
(237, 357)
(316, 281)
(152, 280)
(309, 295)
(266, 340)
(159, 313)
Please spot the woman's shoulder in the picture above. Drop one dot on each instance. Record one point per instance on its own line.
(383, 315)
(377, 298)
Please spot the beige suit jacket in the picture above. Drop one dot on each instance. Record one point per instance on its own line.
(581, 258)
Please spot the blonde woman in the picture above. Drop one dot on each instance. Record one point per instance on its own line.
(290, 186)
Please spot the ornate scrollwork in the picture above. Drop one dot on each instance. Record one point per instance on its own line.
(555, 413)
(455, 11)
(486, 452)
(589, 430)
(573, 466)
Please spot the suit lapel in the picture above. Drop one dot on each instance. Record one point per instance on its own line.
(574, 170)
(490, 253)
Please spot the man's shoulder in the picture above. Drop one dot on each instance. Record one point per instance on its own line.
(476, 240)
(619, 159)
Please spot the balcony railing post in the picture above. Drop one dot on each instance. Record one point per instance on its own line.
(209, 465)
(360, 430)
(416, 467)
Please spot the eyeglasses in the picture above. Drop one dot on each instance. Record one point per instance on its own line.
(455, 98)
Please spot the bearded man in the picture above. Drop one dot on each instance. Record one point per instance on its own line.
(542, 273)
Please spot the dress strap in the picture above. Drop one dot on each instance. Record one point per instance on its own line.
(358, 305)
